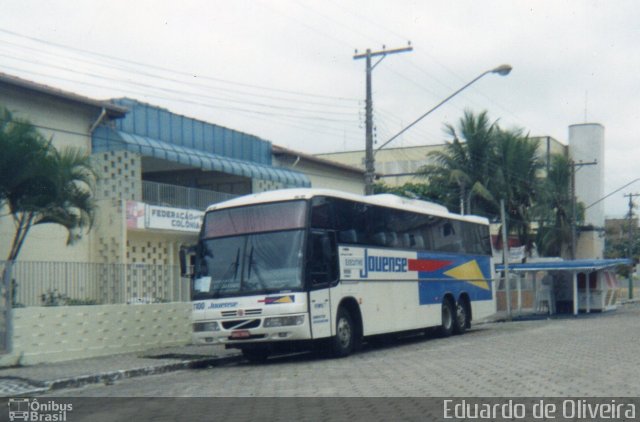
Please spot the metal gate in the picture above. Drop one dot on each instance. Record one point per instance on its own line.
(6, 322)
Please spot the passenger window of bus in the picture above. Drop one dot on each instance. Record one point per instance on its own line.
(321, 258)
(350, 218)
(448, 230)
(321, 213)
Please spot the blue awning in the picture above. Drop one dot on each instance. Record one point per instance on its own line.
(572, 265)
(108, 139)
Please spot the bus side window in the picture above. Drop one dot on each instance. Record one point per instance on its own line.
(322, 258)
(322, 213)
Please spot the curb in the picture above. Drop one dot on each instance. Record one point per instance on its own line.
(42, 387)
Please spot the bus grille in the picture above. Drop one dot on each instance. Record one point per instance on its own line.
(241, 324)
(241, 312)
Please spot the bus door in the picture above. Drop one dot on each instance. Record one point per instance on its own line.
(321, 275)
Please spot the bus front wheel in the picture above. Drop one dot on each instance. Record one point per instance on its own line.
(345, 334)
(448, 315)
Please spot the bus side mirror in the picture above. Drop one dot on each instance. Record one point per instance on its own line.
(186, 269)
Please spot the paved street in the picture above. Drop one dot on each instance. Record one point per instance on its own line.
(593, 355)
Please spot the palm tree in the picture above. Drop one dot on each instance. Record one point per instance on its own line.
(39, 184)
(484, 164)
(463, 171)
(23, 149)
(60, 192)
(516, 179)
(554, 208)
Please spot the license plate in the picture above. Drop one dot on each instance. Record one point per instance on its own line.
(240, 334)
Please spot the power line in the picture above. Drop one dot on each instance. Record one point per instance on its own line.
(335, 103)
(424, 53)
(187, 101)
(174, 71)
(195, 94)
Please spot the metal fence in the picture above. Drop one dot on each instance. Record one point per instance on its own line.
(523, 291)
(179, 196)
(624, 293)
(75, 283)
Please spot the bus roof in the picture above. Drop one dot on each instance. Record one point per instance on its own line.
(385, 200)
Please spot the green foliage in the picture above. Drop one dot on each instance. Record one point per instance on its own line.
(623, 242)
(554, 208)
(55, 298)
(40, 185)
(23, 150)
(516, 179)
(462, 173)
(408, 190)
(482, 165)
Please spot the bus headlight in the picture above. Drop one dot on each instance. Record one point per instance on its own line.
(283, 321)
(206, 326)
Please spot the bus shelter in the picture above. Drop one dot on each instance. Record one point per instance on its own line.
(581, 284)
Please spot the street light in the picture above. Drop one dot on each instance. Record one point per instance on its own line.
(501, 70)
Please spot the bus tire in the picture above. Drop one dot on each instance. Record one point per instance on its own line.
(448, 318)
(257, 354)
(461, 317)
(343, 341)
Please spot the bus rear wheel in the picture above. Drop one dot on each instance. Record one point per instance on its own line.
(448, 315)
(345, 334)
(461, 318)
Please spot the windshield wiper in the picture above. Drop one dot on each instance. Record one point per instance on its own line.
(225, 280)
(236, 264)
(256, 271)
(250, 264)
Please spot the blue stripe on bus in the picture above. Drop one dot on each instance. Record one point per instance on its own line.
(433, 285)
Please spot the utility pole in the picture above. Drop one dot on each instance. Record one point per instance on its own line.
(505, 258)
(630, 247)
(369, 159)
(574, 205)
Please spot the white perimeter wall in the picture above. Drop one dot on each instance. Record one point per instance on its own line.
(58, 333)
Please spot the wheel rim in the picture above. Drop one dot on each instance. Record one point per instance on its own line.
(462, 315)
(447, 319)
(344, 333)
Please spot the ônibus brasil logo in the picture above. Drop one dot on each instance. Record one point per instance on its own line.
(32, 410)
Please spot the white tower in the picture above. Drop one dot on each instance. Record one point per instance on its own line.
(586, 144)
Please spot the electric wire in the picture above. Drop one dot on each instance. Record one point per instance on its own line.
(56, 56)
(174, 71)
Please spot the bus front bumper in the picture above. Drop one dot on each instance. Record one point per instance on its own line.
(270, 329)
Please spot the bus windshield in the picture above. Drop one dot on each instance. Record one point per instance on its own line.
(251, 250)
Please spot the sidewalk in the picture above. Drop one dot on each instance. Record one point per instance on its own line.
(37, 379)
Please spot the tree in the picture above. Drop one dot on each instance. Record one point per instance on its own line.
(553, 208)
(409, 190)
(60, 192)
(484, 164)
(515, 179)
(40, 185)
(23, 149)
(622, 240)
(463, 170)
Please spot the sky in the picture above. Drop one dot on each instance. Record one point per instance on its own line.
(284, 70)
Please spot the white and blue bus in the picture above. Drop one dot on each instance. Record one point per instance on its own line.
(309, 266)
